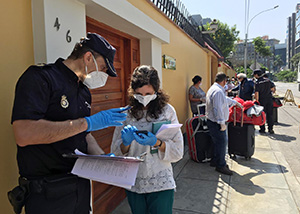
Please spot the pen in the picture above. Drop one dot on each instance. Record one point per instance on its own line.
(126, 108)
(142, 155)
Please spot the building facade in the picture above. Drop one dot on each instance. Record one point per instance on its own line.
(252, 56)
(280, 49)
(290, 39)
(141, 32)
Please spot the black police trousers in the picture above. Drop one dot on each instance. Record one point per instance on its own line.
(267, 103)
(59, 195)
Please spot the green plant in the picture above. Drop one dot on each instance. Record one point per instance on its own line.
(224, 37)
(286, 76)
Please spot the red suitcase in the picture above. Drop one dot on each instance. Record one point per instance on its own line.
(198, 138)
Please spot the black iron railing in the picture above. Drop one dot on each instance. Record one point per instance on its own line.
(176, 11)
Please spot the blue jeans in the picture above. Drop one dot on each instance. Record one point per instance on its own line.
(219, 139)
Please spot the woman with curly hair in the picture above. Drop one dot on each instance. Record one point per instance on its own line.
(153, 191)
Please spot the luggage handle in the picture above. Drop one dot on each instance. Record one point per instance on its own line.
(201, 121)
(234, 116)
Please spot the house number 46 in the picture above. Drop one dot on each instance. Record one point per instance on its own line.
(57, 26)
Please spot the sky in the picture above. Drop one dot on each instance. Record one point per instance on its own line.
(272, 23)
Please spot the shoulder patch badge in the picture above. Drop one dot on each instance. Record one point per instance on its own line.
(64, 102)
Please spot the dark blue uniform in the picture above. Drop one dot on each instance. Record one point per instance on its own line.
(52, 92)
(245, 88)
(263, 87)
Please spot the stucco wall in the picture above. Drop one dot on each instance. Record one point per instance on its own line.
(191, 60)
(16, 54)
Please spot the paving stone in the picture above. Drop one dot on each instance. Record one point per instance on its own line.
(201, 196)
(259, 176)
(255, 199)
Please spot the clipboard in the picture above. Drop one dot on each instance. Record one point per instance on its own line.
(156, 125)
(78, 154)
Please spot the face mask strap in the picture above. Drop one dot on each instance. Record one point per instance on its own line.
(95, 63)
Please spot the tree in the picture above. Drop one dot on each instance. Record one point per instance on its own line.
(295, 60)
(241, 69)
(261, 48)
(224, 37)
(286, 76)
(277, 62)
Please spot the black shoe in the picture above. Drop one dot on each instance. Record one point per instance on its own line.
(271, 132)
(224, 170)
(262, 131)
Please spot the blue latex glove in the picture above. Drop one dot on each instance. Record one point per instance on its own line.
(145, 139)
(127, 134)
(104, 119)
(110, 154)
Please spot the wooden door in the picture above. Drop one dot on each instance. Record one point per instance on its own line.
(114, 94)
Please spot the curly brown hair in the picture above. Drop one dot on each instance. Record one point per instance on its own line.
(146, 75)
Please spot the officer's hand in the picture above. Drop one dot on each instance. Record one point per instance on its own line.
(104, 119)
(127, 134)
(145, 139)
(223, 127)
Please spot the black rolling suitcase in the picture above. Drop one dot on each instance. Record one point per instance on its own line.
(241, 140)
(199, 141)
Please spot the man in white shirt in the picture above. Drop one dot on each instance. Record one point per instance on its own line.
(217, 112)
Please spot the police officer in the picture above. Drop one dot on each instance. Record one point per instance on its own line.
(263, 94)
(51, 116)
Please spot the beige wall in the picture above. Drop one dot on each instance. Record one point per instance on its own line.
(16, 54)
(228, 71)
(191, 60)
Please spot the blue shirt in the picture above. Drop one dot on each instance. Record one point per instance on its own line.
(217, 104)
(245, 88)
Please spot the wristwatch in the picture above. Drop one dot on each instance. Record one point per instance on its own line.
(159, 144)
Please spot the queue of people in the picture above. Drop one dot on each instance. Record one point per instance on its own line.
(51, 116)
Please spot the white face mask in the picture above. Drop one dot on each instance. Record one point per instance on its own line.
(145, 100)
(95, 79)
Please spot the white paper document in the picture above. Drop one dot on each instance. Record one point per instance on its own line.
(114, 172)
(167, 130)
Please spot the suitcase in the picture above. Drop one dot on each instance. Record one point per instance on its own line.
(275, 115)
(199, 141)
(241, 140)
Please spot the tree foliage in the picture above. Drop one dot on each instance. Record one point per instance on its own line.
(224, 37)
(241, 69)
(278, 61)
(286, 76)
(261, 48)
(295, 60)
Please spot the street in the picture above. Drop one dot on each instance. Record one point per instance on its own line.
(289, 113)
(281, 88)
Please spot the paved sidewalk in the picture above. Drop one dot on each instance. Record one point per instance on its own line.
(264, 184)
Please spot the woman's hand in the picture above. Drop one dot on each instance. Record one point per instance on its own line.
(145, 139)
(127, 134)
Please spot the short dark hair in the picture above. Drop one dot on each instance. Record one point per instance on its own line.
(196, 79)
(220, 77)
(258, 72)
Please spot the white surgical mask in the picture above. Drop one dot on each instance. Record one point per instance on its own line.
(145, 100)
(95, 79)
